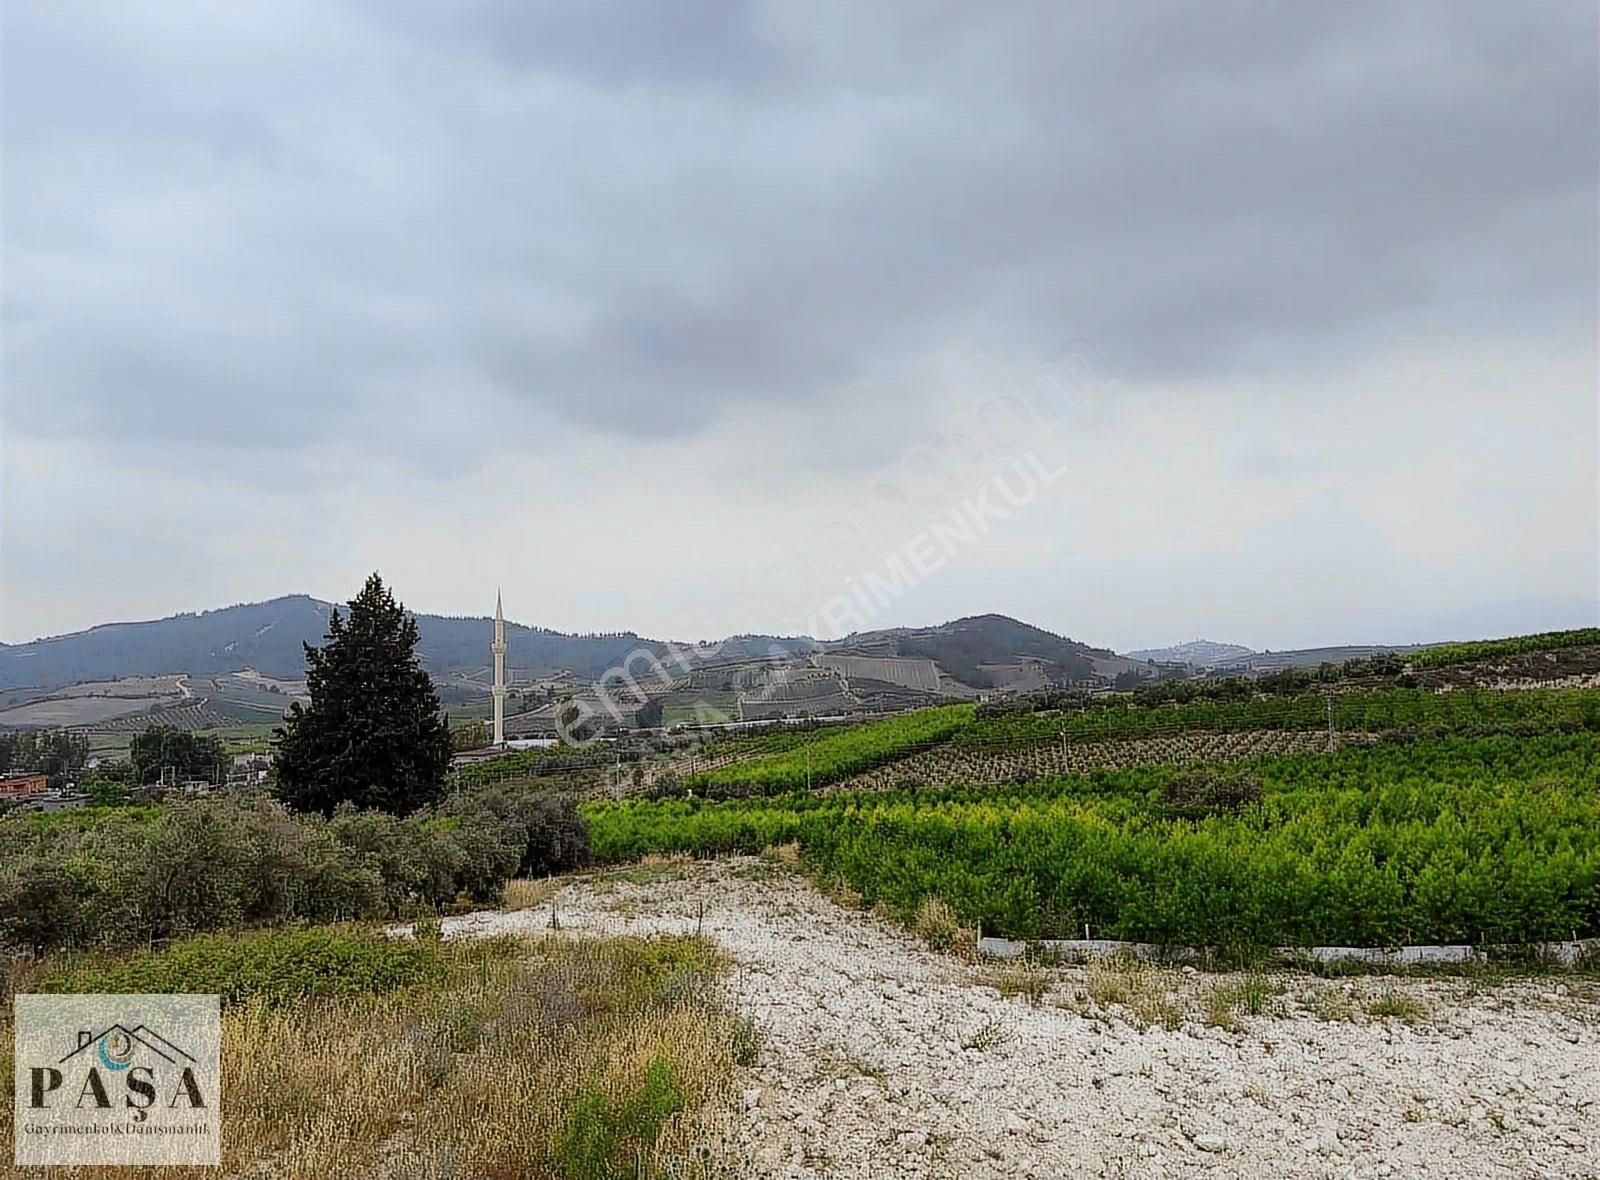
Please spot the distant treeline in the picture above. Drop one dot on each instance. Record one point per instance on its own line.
(54, 752)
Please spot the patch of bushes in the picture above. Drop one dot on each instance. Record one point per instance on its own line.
(1210, 790)
(141, 875)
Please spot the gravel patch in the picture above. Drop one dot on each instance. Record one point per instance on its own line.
(882, 1059)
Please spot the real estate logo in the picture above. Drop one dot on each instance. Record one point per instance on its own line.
(118, 1080)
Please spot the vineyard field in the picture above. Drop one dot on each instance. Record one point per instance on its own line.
(957, 744)
(825, 756)
(1454, 840)
(1474, 711)
(957, 763)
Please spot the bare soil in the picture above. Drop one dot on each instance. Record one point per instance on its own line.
(880, 1058)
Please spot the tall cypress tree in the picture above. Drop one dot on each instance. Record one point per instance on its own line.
(373, 734)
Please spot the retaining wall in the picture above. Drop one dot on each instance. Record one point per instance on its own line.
(1564, 954)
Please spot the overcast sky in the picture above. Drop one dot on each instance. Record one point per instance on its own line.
(642, 312)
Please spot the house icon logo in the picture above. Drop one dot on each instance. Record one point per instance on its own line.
(117, 1047)
(129, 1080)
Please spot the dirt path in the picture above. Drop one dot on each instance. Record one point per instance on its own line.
(880, 1059)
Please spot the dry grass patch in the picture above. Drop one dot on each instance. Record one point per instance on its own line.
(1332, 1004)
(526, 893)
(1393, 1004)
(1028, 980)
(665, 860)
(1251, 995)
(1137, 987)
(1353, 1004)
(937, 925)
(573, 1060)
(785, 855)
(654, 867)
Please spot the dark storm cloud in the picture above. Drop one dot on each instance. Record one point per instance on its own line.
(264, 226)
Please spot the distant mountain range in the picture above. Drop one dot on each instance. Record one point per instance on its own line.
(982, 651)
(1197, 653)
(1207, 654)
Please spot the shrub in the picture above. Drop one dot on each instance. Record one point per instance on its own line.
(42, 903)
(276, 966)
(557, 838)
(937, 925)
(549, 833)
(125, 876)
(1210, 791)
(605, 1139)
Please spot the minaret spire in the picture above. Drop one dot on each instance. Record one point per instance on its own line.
(498, 647)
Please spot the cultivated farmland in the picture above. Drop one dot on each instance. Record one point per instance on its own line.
(1452, 839)
(825, 756)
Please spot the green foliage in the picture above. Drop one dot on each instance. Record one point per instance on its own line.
(120, 876)
(606, 1139)
(53, 752)
(106, 792)
(547, 833)
(471, 735)
(161, 750)
(825, 756)
(1462, 653)
(372, 735)
(1469, 712)
(1494, 839)
(276, 966)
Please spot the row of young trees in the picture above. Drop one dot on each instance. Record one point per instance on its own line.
(1453, 840)
(1473, 712)
(819, 757)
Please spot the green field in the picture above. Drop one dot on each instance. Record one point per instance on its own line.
(1491, 839)
(813, 758)
(1471, 711)
(1492, 649)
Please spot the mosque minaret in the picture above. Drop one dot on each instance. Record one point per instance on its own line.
(499, 649)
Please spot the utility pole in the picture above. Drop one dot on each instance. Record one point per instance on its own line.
(1329, 696)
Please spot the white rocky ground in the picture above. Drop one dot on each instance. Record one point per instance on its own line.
(882, 1059)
